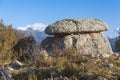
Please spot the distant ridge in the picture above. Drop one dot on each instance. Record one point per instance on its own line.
(36, 29)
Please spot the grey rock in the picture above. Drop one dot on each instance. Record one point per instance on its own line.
(82, 64)
(15, 64)
(4, 75)
(93, 55)
(30, 71)
(84, 44)
(110, 66)
(68, 26)
(92, 42)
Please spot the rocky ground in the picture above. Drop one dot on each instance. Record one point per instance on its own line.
(67, 67)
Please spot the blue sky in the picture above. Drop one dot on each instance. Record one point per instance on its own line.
(23, 12)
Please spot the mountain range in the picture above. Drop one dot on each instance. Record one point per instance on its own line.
(36, 29)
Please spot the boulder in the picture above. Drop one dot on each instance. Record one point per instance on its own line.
(15, 65)
(85, 35)
(68, 26)
(4, 75)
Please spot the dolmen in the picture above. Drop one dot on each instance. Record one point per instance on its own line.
(84, 35)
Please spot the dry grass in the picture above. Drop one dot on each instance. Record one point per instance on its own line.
(73, 66)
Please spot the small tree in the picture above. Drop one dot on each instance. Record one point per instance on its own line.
(117, 43)
(8, 39)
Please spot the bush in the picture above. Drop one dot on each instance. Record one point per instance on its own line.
(27, 49)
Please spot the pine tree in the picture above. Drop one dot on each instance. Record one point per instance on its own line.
(8, 39)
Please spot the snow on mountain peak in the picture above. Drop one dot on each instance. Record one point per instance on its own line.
(35, 26)
(118, 29)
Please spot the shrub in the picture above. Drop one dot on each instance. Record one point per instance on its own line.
(32, 77)
(27, 49)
